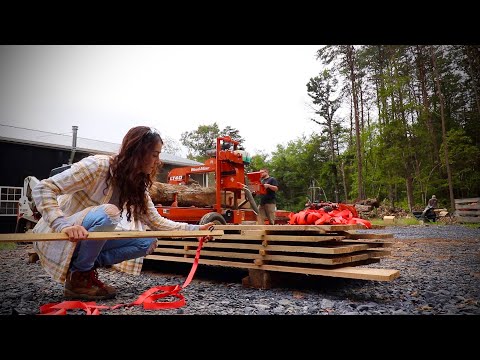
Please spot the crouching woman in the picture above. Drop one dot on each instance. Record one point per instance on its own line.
(101, 193)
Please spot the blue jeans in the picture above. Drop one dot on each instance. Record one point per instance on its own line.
(98, 253)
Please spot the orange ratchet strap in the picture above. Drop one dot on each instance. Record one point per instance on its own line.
(147, 299)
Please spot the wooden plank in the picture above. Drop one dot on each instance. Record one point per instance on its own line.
(290, 227)
(468, 212)
(344, 272)
(249, 256)
(235, 264)
(251, 233)
(349, 272)
(317, 250)
(111, 235)
(467, 219)
(370, 242)
(212, 244)
(379, 253)
(297, 238)
(242, 237)
(467, 207)
(368, 236)
(300, 238)
(467, 200)
(320, 261)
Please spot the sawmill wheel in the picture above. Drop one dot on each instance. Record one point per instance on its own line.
(212, 217)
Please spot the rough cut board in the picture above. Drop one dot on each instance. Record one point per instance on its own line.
(350, 272)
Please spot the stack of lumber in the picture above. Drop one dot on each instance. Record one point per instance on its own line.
(467, 210)
(326, 250)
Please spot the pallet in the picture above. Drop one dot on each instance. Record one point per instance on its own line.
(325, 250)
(467, 210)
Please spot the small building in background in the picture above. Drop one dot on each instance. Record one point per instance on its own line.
(26, 152)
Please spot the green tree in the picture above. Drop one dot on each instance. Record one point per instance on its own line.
(322, 90)
(464, 161)
(296, 165)
(346, 58)
(199, 141)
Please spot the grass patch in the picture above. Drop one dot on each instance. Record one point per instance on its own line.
(408, 221)
(471, 225)
(7, 246)
(399, 222)
(376, 221)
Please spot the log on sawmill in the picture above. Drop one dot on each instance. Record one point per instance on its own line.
(187, 195)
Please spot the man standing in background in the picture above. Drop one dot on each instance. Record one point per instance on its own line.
(268, 202)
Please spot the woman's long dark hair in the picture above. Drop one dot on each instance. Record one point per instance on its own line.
(126, 169)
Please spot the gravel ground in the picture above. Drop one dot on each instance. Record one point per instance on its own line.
(439, 274)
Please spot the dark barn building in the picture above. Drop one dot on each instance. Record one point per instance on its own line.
(25, 152)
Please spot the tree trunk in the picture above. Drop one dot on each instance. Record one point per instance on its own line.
(187, 195)
(409, 183)
(351, 63)
(426, 105)
(407, 153)
(342, 169)
(444, 133)
(382, 86)
(473, 74)
(331, 144)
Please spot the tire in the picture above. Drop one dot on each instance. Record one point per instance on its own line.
(212, 217)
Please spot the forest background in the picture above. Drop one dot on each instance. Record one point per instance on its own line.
(410, 128)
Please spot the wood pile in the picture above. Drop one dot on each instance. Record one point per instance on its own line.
(326, 250)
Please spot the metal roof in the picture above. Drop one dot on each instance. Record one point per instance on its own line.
(58, 141)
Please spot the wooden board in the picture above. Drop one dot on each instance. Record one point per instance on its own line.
(351, 272)
(111, 235)
(350, 235)
(320, 228)
(371, 242)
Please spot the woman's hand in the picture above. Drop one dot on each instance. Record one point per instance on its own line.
(207, 226)
(75, 232)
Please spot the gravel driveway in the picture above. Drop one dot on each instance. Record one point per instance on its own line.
(439, 274)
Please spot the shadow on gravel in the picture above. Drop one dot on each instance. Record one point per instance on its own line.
(222, 274)
(204, 272)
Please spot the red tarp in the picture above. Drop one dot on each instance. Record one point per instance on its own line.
(341, 214)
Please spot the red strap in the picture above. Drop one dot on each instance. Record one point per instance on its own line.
(61, 308)
(147, 299)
